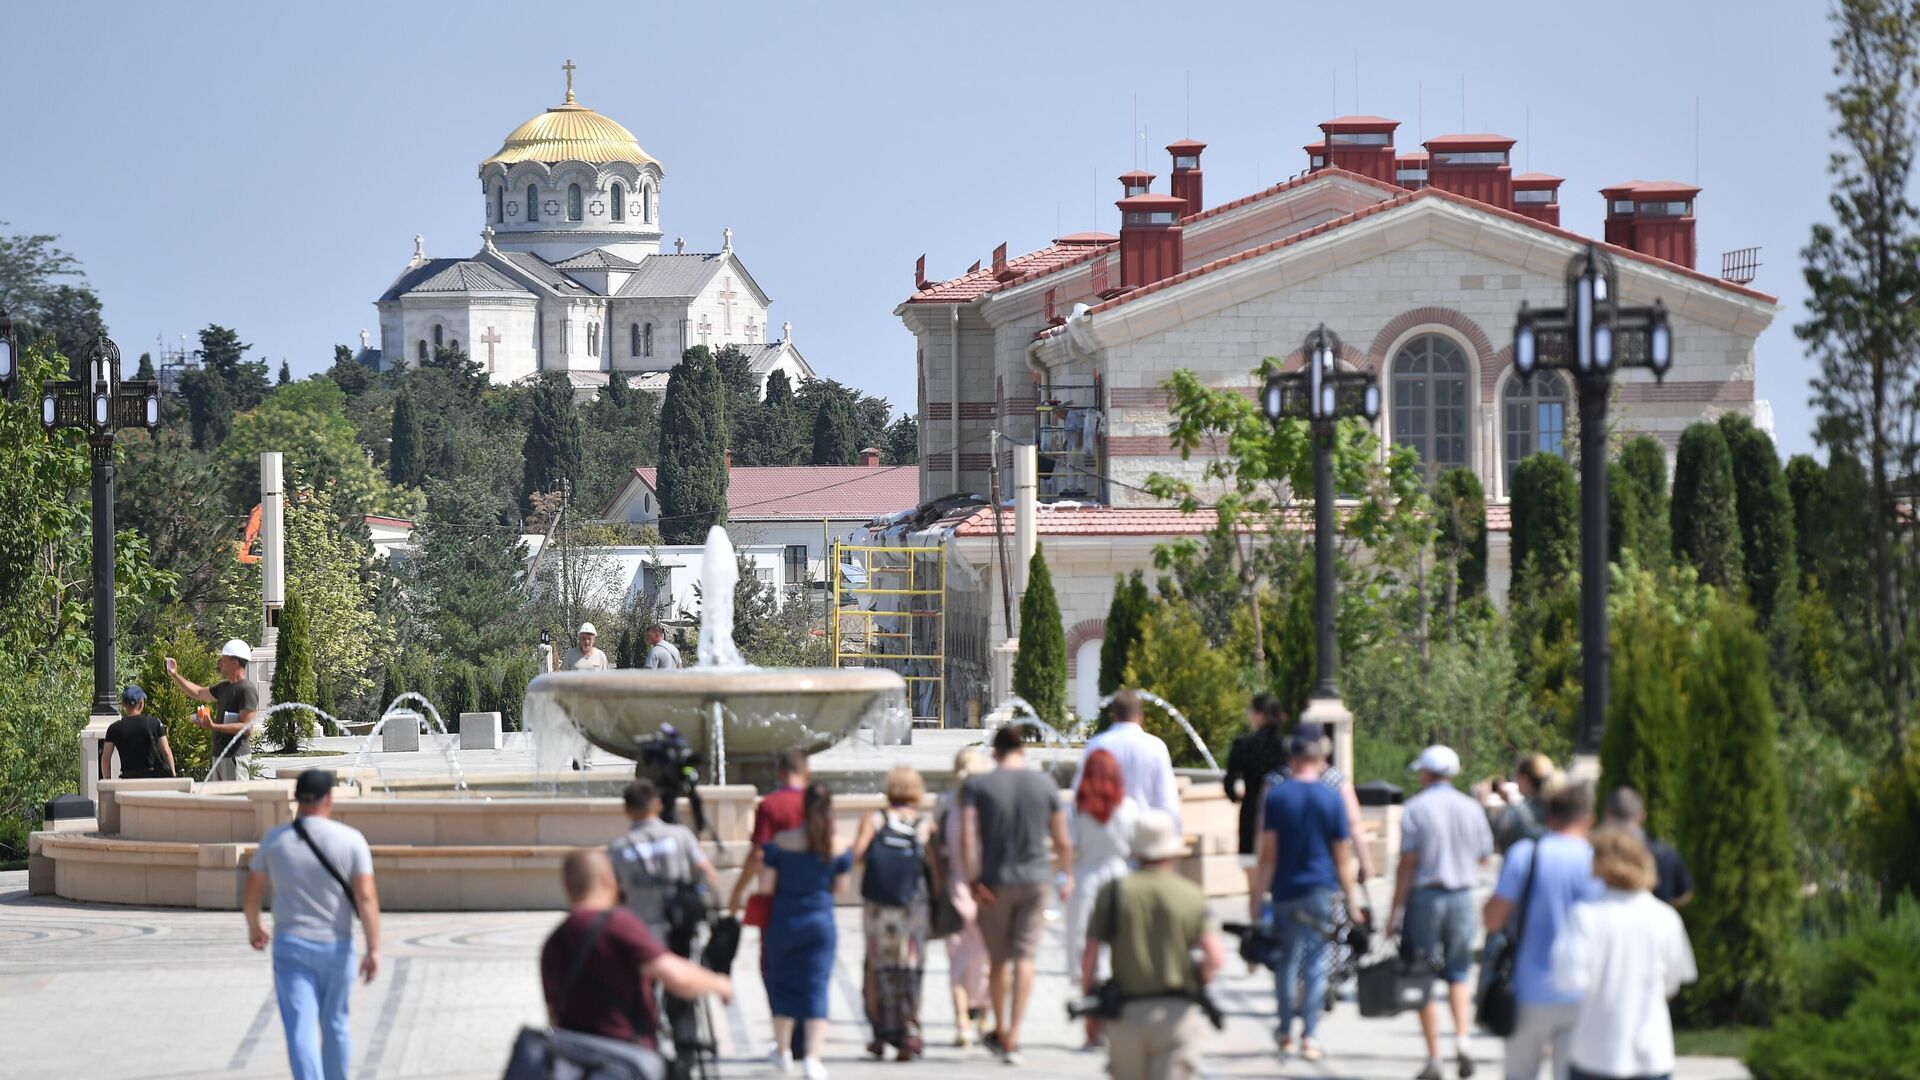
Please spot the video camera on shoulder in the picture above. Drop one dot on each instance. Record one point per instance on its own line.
(667, 759)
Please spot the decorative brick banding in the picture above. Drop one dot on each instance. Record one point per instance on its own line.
(1737, 392)
(1079, 634)
(1140, 446)
(1484, 353)
(939, 410)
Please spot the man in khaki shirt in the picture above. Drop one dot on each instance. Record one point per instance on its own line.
(583, 656)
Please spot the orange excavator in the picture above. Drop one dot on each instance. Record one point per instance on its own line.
(245, 549)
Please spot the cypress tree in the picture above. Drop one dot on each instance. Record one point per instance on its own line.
(460, 695)
(1733, 826)
(489, 695)
(1764, 507)
(286, 373)
(1040, 669)
(1460, 542)
(1625, 531)
(391, 686)
(836, 432)
(1645, 461)
(693, 451)
(513, 693)
(145, 369)
(292, 677)
(552, 447)
(406, 465)
(1705, 523)
(1124, 615)
(1645, 740)
(618, 393)
(1545, 519)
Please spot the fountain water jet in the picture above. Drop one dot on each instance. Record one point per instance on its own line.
(261, 717)
(1178, 718)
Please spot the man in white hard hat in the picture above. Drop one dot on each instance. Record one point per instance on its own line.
(236, 700)
(584, 656)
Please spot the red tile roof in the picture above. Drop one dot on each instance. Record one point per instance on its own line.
(812, 492)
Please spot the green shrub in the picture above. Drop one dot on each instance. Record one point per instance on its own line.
(293, 678)
(1643, 747)
(1704, 520)
(43, 706)
(191, 753)
(1040, 668)
(1130, 605)
(1546, 531)
(1645, 461)
(1890, 826)
(1175, 661)
(1856, 1004)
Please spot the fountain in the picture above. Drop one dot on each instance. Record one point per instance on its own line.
(721, 703)
(1178, 718)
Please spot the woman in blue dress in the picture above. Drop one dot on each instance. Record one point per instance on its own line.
(801, 867)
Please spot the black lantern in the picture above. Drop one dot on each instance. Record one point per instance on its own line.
(9, 357)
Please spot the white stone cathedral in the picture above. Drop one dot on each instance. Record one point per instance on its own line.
(570, 276)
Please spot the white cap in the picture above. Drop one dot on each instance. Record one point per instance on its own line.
(1438, 760)
(237, 649)
(587, 628)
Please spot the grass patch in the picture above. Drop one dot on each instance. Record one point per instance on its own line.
(1712, 1042)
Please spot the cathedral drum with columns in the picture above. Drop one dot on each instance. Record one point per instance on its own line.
(570, 276)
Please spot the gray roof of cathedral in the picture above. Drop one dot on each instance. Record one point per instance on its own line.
(597, 259)
(673, 275)
(543, 271)
(761, 357)
(450, 276)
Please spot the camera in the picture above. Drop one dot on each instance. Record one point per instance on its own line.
(668, 761)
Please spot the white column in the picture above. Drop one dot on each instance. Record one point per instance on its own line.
(273, 567)
(1026, 483)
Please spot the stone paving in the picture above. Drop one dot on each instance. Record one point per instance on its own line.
(126, 993)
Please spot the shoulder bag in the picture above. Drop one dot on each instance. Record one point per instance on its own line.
(300, 829)
(552, 1053)
(1498, 1010)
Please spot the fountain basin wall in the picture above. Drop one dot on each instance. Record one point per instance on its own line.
(159, 843)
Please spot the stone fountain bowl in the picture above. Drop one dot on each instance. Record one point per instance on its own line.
(767, 710)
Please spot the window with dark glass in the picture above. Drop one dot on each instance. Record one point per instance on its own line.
(619, 202)
(573, 202)
(646, 346)
(438, 340)
(1430, 400)
(1536, 418)
(633, 339)
(646, 203)
(533, 203)
(1470, 157)
(422, 351)
(499, 204)
(796, 568)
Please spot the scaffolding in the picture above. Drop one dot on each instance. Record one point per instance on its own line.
(889, 611)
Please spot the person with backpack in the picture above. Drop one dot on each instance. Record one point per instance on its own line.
(891, 846)
(322, 875)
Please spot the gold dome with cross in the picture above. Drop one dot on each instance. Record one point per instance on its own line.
(570, 132)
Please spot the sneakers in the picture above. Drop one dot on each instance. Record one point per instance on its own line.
(782, 1060)
(1466, 1065)
(1310, 1050)
(1284, 1041)
(1431, 1072)
(814, 1069)
(963, 1034)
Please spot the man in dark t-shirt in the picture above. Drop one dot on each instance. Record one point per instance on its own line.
(236, 700)
(1626, 810)
(616, 957)
(139, 739)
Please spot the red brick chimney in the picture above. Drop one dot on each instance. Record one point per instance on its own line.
(1362, 144)
(1653, 217)
(1150, 239)
(1537, 195)
(1316, 156)
(1136, 182)
(870, 457)
(1186, 172)
(1476, 166)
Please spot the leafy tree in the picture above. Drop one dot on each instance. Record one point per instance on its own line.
(327, 565)
(1645, 462)
(43, 705)
(1764, 508)
(836, 434)
(349, 374)
(1644, 746)
(293, 678)
(466, 373)
(465, 574)
(1705, 522)
(175, 637)
(1465, 693)
(1040, 668)
(1125, 614)
(1546, 520)
(307, 421)
(144, 370)
(1862, 272)
(223, 355)
(553, 437)
(209, 407)
(1175, 661)
(29, 263)
(392, 685)
(779, 391)
(624, 432)
(72, 316)
(176, 497)
(903, 441)
(693, 467)
(1460, 537)
(406, 466)
(1732, 828)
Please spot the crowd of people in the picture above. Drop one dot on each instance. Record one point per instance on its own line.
(1581, 930)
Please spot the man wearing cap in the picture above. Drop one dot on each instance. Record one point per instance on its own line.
(322, 875)
(1444, 837)
(583, 656)
(140, 740)
(1151, 921)
(660, 655)
(236, 700)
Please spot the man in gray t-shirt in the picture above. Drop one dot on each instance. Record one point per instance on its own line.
(321, 873)
(653, 860)
(660, 655)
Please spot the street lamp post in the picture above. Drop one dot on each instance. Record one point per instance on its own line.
(1591, 337)
(99, 403)
(1321, 394)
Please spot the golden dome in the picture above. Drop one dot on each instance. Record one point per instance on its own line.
(570, 132)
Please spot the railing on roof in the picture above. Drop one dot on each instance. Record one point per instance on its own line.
(1740, 265)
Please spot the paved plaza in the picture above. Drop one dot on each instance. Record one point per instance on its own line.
(129, 993)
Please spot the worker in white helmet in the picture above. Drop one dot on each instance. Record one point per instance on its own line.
(236, 702)
(584, 656)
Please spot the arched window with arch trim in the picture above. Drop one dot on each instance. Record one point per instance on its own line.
(439, 335)
(1535, 413)
(1430, 400)
(533, 203)
(454, 344)
(619, 202)
(422, 351)
(573, 202)
(633, 339)
(499, 204)
(646, 203)
(646, 346)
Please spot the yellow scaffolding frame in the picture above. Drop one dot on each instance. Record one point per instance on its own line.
(912, 593)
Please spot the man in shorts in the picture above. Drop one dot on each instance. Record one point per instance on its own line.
(1444, 837)
(1008, 816)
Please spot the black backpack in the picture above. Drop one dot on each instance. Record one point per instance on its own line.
(895, 868)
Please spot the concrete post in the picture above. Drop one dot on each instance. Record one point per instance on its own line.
(1026, 484)
(273, 563)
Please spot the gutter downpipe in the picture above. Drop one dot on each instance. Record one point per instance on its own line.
(953, 376)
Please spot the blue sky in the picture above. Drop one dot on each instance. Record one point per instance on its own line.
(266, 166)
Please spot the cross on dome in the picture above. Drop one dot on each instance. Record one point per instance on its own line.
(568, 68)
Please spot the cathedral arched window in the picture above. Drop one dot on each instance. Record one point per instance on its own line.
(646, 203)
(619, 202)
(438, 333)
(573, 202)
(454, 345)
(422, 351)
(1536, 418)
(646, 347)
(533, 203)
(1430, 400)
(499, 204)
(633, 339)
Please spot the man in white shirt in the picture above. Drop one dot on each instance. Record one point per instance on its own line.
(1145, 765)
(584, 656)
